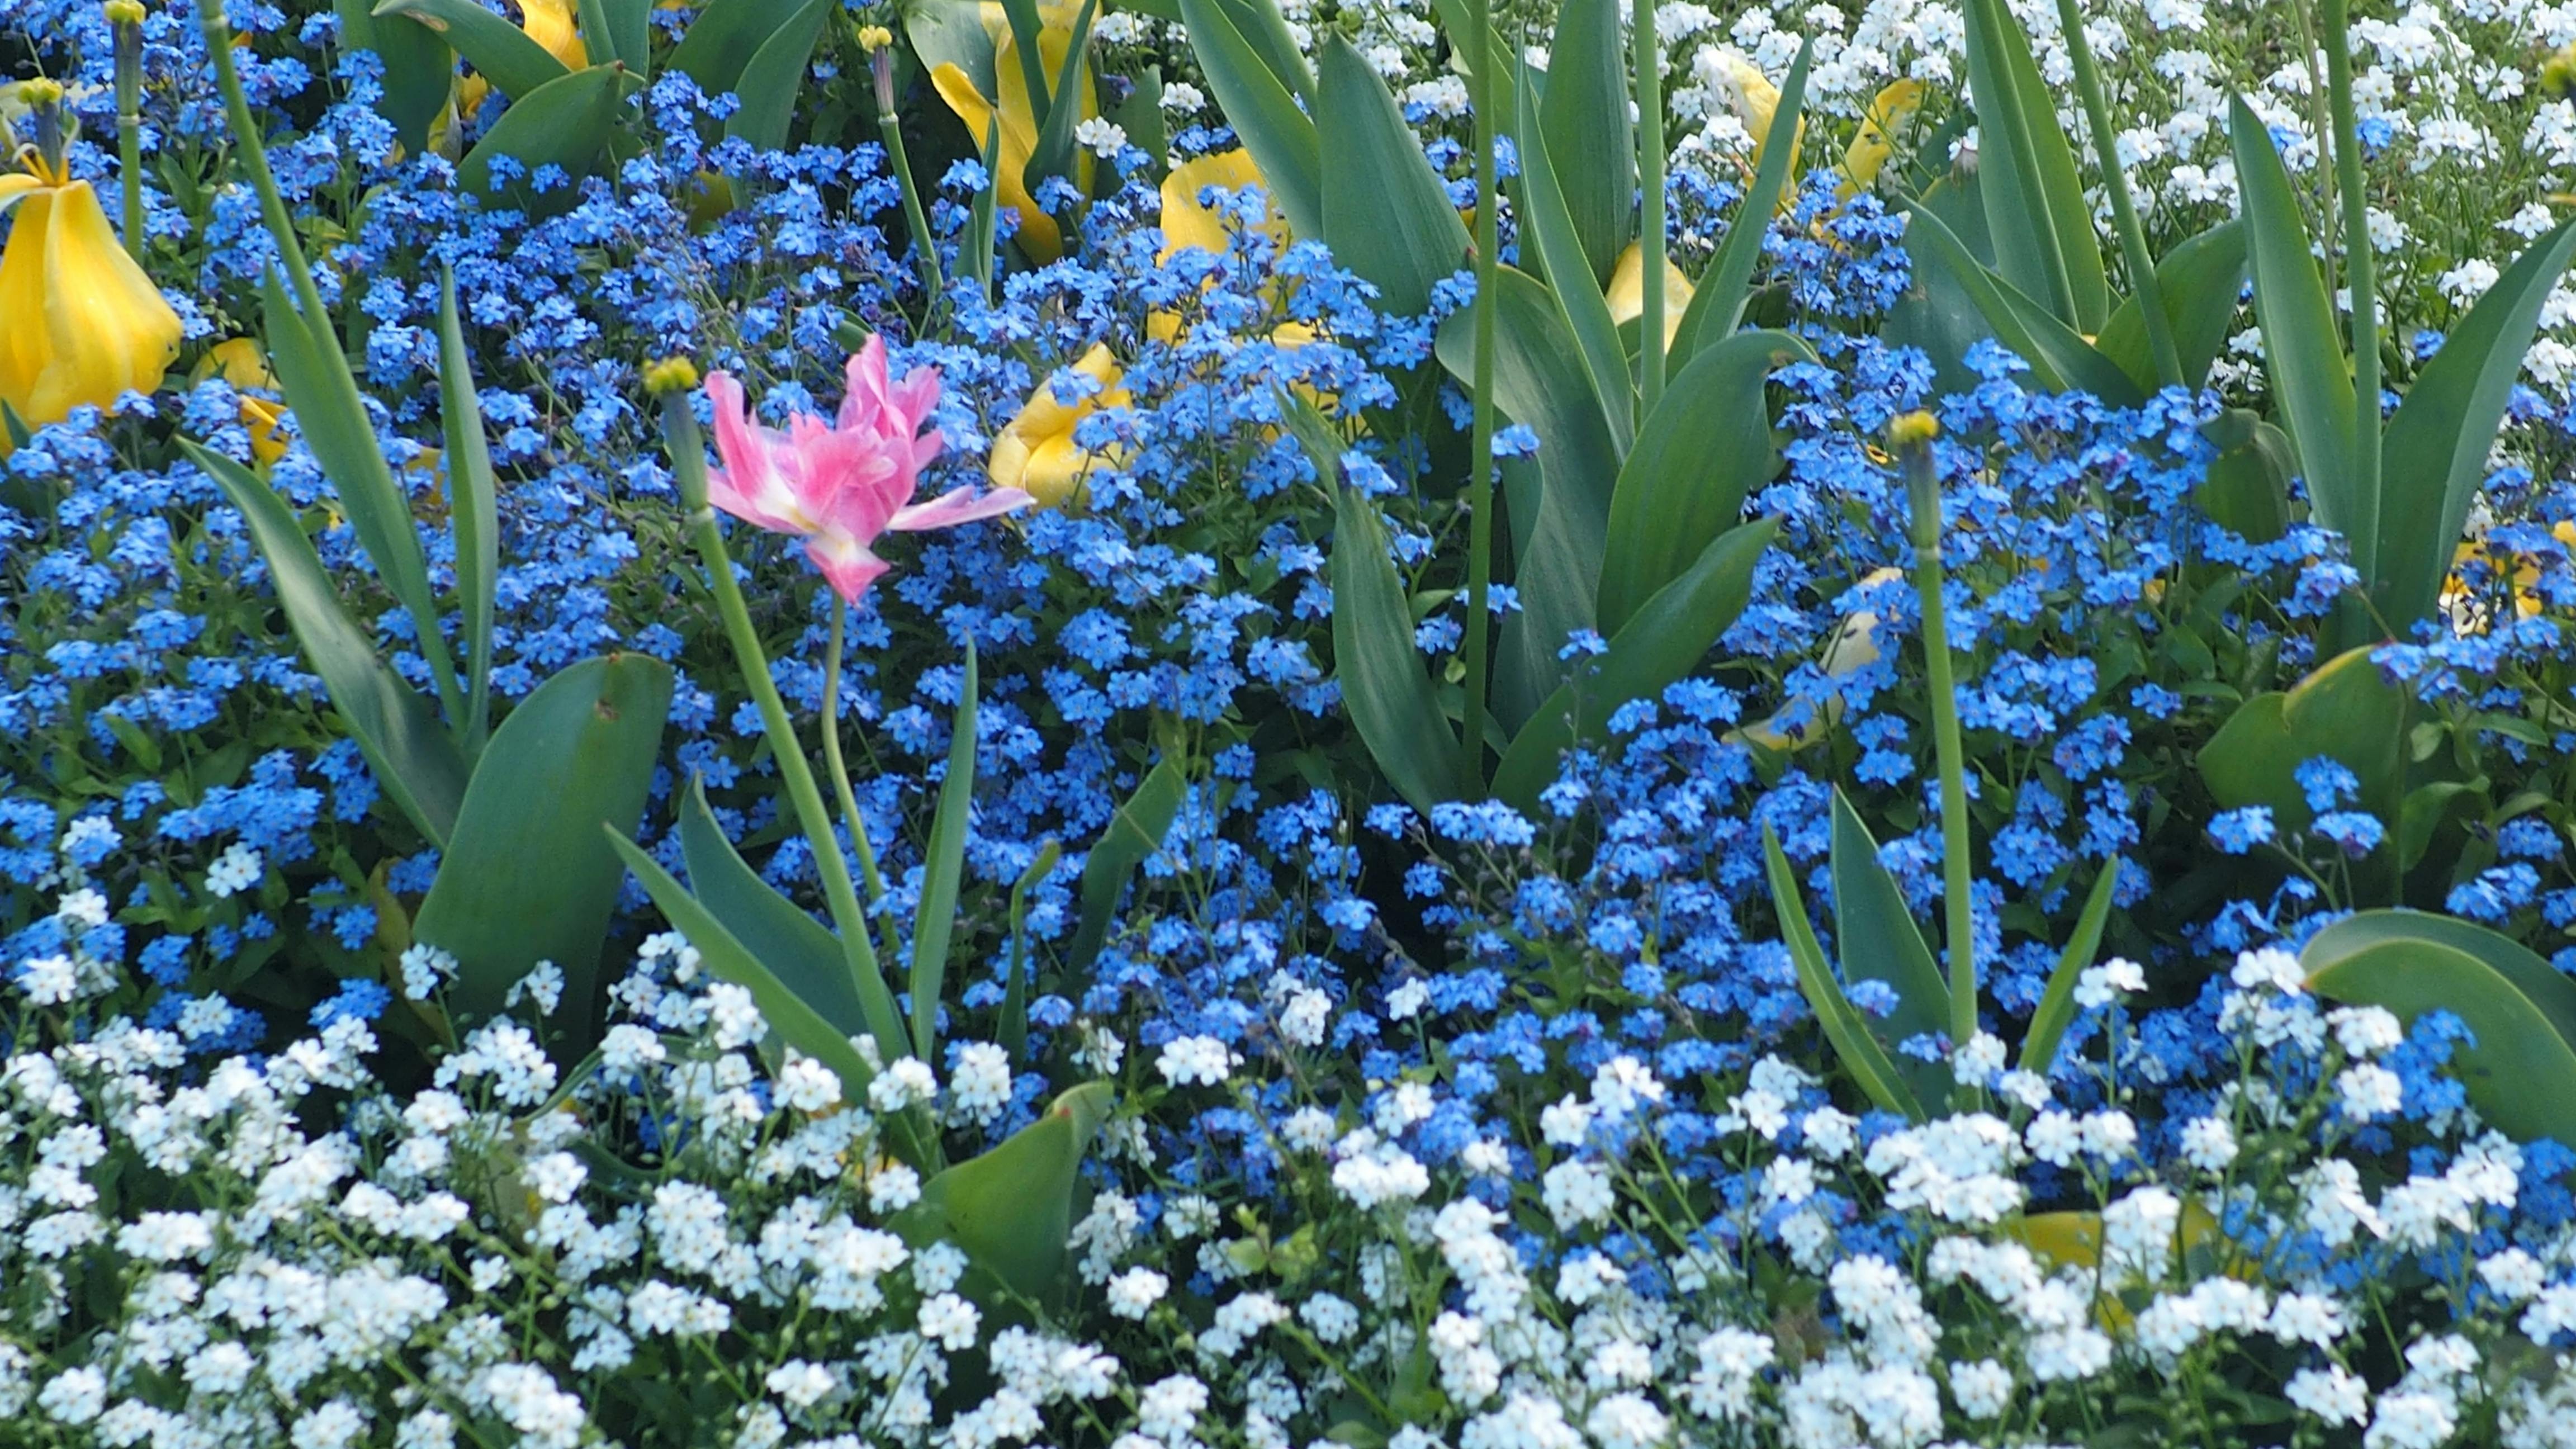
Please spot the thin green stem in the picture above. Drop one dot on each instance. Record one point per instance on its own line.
(1923, 496)
(129, 129)
(2361, 275)
(1480, 462)
(1647, 59)
(2141, 263)
(924, 245)
(841, 774)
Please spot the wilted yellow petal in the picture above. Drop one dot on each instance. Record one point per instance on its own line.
(239, 362)
(1627, 292)
(1187, 224)
(1888, 114)
(82, 322)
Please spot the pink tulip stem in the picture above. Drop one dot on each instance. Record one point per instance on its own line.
(841, 774)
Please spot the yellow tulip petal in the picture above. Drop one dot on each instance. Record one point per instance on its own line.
(85, 323)
(1038, 234)
(1187, 224)
(1627, 292)
(1875, 142)
(550, 23)
(1056, 468)
(22, 295)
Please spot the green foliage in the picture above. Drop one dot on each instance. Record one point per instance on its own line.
(1011, 1209)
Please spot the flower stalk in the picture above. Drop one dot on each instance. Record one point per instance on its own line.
(878, 42)
(125, 18)
(1911, 435)
(1647, 59)
(1475, 652)
(2140, 262)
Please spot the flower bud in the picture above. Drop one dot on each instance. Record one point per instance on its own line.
(670, 375)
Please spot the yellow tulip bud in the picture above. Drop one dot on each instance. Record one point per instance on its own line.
(670, 375)
(873, 38)
(1912, 430)
(124, 12)
(40, 92)
(1036, 451)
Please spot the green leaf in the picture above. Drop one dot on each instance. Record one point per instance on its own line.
(2302, 338)
(2552, 992)
(1028, 30)
(2056, 1009)
(629, 35)
(774, 78)
(1053, 155)
(420, 768)
(724, 37)
(2059, 357)
(1876, 938)
(1378, 665)
(801, 952)
(1264, 27)
(1591, 146)
(1012, 1033)
(1936, 314)
(473, 509)
(1134, 834)
(562, 123)
(500, 52)
(1141, 117)
(1387, 215)
(1704, 450)
(2520, 1073)
(1262, 111)
(2247, 487)
(942, 866)
(578, 753)
(2437, 444)
(314, 377)
(2035, 207)
(951, 32)
(2344, 710)
(1559, 249)
(1666, 640)
(1717, 308)
(2200, 281)
(419, 69)
(1011, 1210)
(982, 215)
(1845, 1029)
(787, 1013)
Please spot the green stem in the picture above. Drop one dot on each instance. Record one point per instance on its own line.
(1480, 463)
(841, 775)
(1648, 62)
(1923, 497)
(2361, 275)
(129, 130)
(2124, 212)
(925, 246)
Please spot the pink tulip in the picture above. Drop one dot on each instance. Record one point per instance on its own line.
(840, 485)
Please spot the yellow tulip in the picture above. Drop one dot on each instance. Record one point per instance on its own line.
(2466, 610)
(1039, 236)
(1755, 100)
(79, 322)
(240, 363)
(1627, 292)
(1854, 647)
(550, 23)
(1888, 114)
(1187, 224)
(2074, 1240)
(1036, 451)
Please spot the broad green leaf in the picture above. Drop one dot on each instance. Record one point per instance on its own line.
(942, 866)
(2302, 338)
(2436, 446)
(1012, 1032)
(1845, 1029)
(1717, 308)
(1011, 1210)
(419, 766)
(2200, 281)
(500, 52)
(419, 69)
(314, 377)
(1704, 450)
(951, 32)
(2521, 1071)
(725, 35)
(2551, 991)
(787, 1013)
(1027, 29)
(2056, 1009)
(1054, 153)
(473, 509)
(562, 123)
(1387, 215)
(800, 951)
(774, 78)
(2035, 207)
(2059, 357)
(1134, 834)
(526, 876)
(1264, 27)
(1936, 314)
(629, 30)
(1665, 641)
(2343, 710)
(1263, 112)
(1559, 248)
(1141, 117)
(1591, 145)
(2247, 488)
(1876, 939)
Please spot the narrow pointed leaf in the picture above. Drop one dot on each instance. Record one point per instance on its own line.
(2056, 1009)
(1845, 1029)
(1386, 213)
(1717, 308)
(1262, 111)
(2302, 338)
(723, 37)
(936, 919)
(1012, 1032)
(2042, 226)
(1053, 155)
(500, 52)
(800, 951)
(1011, 1210)
(1027, 30)
(1876, 939)
(1134, 834)
(2201, 281)
(629, 32)
(2059, 358)
(774, 78)
(1264, 27)
(1560, 249)
(1591, 146)
(415, 761)
(473, 508)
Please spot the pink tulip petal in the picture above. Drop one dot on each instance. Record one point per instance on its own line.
(962, 506)
(845, 563)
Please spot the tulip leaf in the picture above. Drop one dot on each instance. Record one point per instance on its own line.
(2060, 359)
(796, 1022)
(500, 52)
(628, 28)
(800, 951)
(1378, 665)
(1664, 642)
(1264, 27)
(951, 32)
(1011, 1033)
(774, 78)
(2042, 226)
(1591, 144)
(1011, 1209)
(1386, 213)
(526, 876)
(723, 38)
(1263, 112)
(983, 215)
(1704, 450)
(1053, 155)
(935, 919)
(419, 69)
(2247, 487)
(2343, 710)
(1134, 834)
(1936, 314)
(1559, 248)
(1876, 939)
(1717, 308)
(1846, 1031)
(417, 764)
(2437, 444)
(1141, 117)
(2200, 281)
(1028, 31)
(473, 508)
(2056, 1009)
(2552, 992)
(2520, 1068)
(2302, 341)
(563, 123)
